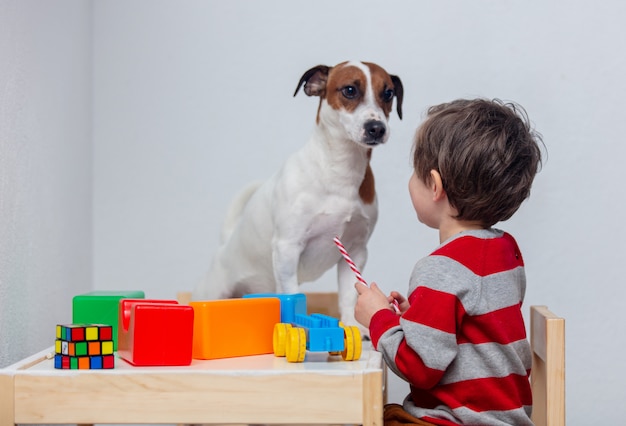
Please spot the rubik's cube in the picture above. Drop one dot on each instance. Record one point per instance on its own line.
(84, 347)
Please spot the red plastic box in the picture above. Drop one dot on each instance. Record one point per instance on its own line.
(155, 332)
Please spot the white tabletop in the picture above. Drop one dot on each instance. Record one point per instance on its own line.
(42, 363)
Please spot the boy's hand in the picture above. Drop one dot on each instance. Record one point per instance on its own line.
(402, 302)
(370, 300)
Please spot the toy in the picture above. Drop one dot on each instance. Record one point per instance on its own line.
(290, 304)
(234, 327)
(84, 347)
(155, 332)
(101, 307)
(298, 332)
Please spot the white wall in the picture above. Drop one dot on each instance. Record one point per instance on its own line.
(45, 169)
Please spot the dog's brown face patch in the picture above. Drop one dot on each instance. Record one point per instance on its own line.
(382, 87)
(346, 87)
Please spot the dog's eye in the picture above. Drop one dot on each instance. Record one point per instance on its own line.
(350, 92)
(388, 95)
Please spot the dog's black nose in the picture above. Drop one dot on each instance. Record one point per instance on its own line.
(375, 130)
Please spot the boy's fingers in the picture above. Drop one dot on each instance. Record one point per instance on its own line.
(374, 286)
(360, 288)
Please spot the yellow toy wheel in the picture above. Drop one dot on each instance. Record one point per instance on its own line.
(352, 343)
(279, 340)
(296, 345)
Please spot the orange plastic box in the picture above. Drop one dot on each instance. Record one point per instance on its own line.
(155, 332)
(234, 327)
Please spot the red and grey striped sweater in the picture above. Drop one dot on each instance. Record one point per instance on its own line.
(462, 343)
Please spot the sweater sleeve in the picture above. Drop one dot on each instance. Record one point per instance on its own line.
(381, 322)
(420, 345)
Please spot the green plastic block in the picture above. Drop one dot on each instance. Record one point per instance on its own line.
(101, 307)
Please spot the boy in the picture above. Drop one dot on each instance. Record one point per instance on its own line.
(460, 339)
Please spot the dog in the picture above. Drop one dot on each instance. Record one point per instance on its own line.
(279, 233)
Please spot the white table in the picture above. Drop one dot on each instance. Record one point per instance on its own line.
(256, 389)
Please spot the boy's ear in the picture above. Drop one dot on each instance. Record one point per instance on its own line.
(436, 185)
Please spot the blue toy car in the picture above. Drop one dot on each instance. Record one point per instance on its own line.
(298, 332)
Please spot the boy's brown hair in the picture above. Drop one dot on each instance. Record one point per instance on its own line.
(486, 153)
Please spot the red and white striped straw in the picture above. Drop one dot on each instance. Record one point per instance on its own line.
(348, 259)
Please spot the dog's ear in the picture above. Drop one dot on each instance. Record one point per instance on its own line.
(314, 81)
(399, 93)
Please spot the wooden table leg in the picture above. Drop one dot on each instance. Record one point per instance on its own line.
(7, 400)
(373, 399)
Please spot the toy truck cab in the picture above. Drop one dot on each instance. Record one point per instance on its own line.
(298, 332)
